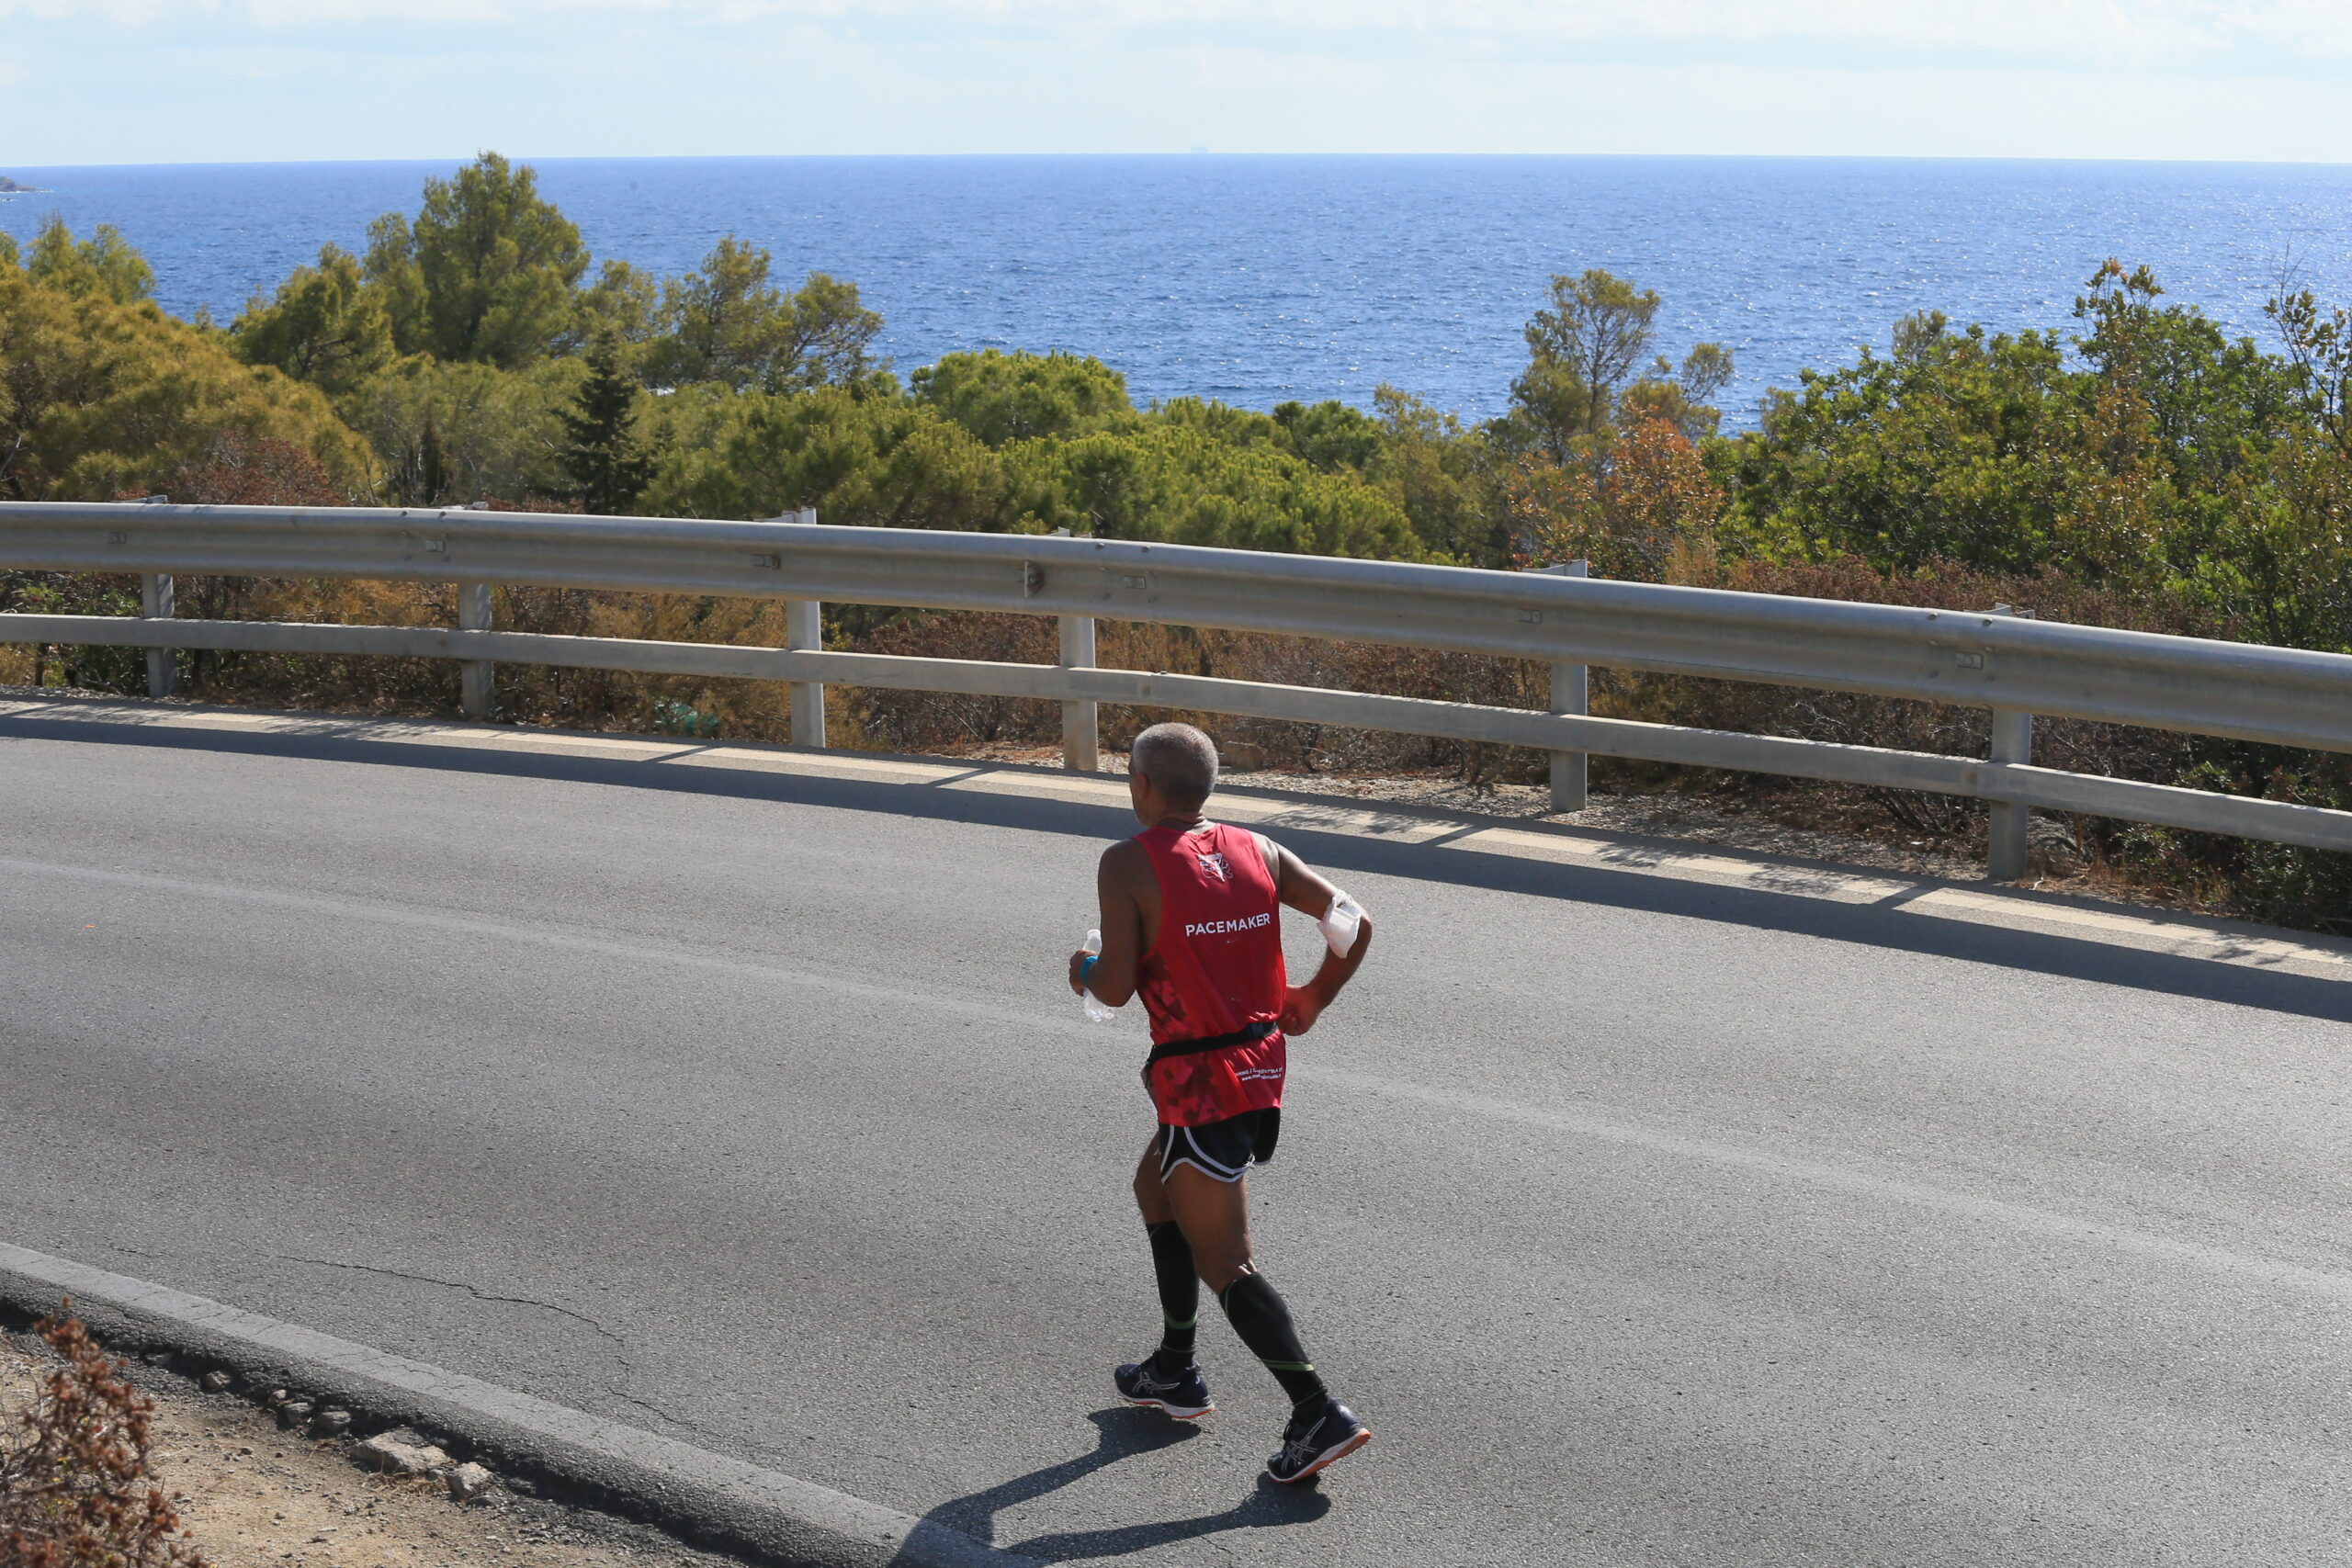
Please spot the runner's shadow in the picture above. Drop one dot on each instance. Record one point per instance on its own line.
(1123, 1433)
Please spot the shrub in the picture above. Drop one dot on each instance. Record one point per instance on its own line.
(75, 1489)
(97, 398)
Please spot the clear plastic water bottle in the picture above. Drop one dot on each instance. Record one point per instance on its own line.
(1096, 1008)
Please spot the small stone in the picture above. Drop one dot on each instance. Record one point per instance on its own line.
(469, 1480)
(157, 1357)
(383, 1450)
(330, 1423)
(401, 1453)
(293, 1413)
(277, 1396)
(213, 1382)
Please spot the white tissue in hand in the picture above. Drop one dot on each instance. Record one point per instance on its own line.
(1340, 924)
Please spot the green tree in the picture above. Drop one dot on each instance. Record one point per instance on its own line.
(1938, 451)
(2319, 348)
(1580, 382)
(104, 265)
(1678, 395)
(725, 324)
(1444, 479)
(431, 465)
(601, 453)
(391, 270)
(858, 459)
(1181, 482)
(2161, 465)
(1005, 397)
(99, 398)
(2214, 405)
(623, 306)
(498, 434)
(1579, 349)
(1330, 434)
(488, 271)
(325, 325)
(1222, 422)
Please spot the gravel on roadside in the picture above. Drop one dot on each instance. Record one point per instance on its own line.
(1754, 826)
(256, 1497)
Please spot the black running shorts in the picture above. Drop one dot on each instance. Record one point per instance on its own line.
(1223, 1150)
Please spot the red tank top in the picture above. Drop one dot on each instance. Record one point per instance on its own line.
(1216, 968)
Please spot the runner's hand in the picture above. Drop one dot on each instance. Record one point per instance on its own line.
(1075, 959)
(1300, 1007)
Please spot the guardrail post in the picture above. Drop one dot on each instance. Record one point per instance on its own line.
(155, 603)
(1081, 742)
(477, 678)
(804, 631)
(1569, 694)
(2005, 845)
(2008, 822)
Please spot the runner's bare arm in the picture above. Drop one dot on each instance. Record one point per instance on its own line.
(1299, 885)
(1129, 896)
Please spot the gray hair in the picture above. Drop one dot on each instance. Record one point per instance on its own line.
(1178, 760)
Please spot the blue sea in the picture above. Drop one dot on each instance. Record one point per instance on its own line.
(1257, 279)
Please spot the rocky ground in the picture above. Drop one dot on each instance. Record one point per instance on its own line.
(256, 1495)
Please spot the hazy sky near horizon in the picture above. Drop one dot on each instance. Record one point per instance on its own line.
(195, 81)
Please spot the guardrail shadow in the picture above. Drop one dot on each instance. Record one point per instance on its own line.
(1885, 925)
(1122, 1433)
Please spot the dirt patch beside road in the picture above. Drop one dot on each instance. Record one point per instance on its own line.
(256, 1497)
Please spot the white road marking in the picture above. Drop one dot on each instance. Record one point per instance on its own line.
(2029, 1219)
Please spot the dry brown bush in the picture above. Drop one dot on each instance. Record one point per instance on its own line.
(75, 1489)
(2113, 750)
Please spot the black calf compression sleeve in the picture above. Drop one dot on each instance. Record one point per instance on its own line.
(1263, 1320)
(1179, 1290)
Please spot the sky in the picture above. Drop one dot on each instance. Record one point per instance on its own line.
(216, 81)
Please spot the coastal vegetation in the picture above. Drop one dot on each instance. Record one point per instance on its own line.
(2134, 466)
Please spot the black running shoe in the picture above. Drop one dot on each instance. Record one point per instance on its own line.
(1183, 1393)
(1324, 1431)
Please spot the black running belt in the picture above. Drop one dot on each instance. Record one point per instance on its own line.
(1248, 1036)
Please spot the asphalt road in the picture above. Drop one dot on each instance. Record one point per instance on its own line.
(1646, 1224)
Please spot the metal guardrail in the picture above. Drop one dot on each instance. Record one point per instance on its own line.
(2015, 666)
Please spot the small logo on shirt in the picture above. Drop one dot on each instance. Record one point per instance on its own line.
(1214, 863)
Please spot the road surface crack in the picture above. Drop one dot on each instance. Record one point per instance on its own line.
(648, 1405)
(474, 1291)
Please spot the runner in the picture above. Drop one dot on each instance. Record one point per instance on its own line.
(1189, 924)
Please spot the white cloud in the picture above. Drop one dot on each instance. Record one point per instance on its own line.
(2124, 33)
(120, 81)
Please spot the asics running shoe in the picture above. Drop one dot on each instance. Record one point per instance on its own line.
(1323, 1431)
(1182, 1393)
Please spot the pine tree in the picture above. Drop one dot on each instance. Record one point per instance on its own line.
(432, 462)
(599, 449)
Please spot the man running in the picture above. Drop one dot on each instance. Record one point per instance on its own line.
(1189, 922)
